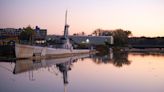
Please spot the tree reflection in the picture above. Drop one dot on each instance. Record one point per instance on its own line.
(120, 59)
(117, 58)
(99, 58)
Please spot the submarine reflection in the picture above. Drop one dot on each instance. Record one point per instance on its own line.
(62, 64)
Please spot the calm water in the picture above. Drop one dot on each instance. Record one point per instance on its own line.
(116, 72)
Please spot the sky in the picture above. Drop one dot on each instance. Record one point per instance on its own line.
(141, 17)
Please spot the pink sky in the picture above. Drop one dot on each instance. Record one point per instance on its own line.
(142, 17)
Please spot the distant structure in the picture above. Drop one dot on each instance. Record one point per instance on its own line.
(8, 35)
(81, 40)
(12, 34)
(92, 40)
(10, 31)
(40, 35)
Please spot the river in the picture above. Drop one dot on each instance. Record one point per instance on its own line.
(115, 72)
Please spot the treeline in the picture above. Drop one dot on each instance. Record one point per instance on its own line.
(122, 39)
(146, 41)
(27, 36)
(120, 36)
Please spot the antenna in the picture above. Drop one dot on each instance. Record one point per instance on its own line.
(66, 17)
(66, 26)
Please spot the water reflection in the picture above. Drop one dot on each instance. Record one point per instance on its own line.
(117, 58)
(63, 65)
(64, 68)
(92, 73)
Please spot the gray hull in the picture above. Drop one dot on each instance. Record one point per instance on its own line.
(27, 51)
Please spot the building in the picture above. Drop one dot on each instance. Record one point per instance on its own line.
(81, 40)
(93, 40)
(12, 34)
(8, 35)
(40, 35)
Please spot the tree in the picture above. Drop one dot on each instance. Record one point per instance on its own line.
(120, 59)
(27, 35)
(102, 32)
(82, 33)
(120, 37)
(97, 32)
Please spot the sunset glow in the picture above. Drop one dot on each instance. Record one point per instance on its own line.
(142, 17)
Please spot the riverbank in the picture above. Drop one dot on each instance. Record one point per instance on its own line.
(145, 50)
(130, 49)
